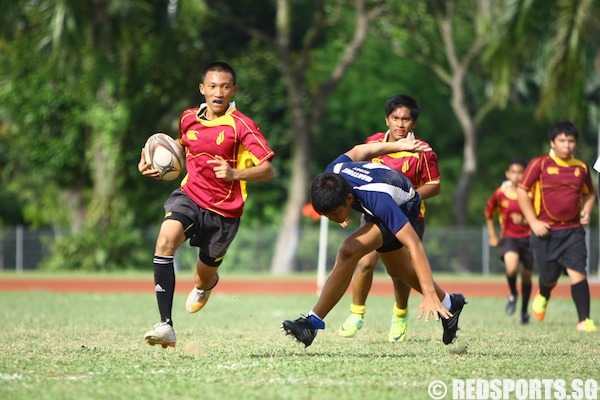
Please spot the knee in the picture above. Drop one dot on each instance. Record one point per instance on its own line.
(365, 265)
(349, 253)
(165, 246)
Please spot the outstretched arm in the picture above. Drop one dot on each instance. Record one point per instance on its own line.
(366, 151)
(431, 304)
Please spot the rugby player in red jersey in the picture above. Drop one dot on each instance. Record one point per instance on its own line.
(224, 150)
(514, 236)
(563, 201)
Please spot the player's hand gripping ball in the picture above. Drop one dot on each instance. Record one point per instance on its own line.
(165, 155)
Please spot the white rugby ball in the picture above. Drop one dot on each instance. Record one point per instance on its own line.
(165, 155)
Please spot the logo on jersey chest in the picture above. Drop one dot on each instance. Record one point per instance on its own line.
(556, 171)
(405, 166)
(192, 135)
(220, 138)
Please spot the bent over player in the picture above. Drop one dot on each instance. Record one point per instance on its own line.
(401, 116)
(391, 206)
(224, 149)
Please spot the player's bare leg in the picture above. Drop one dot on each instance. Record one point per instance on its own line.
(399, 321)
(363, 278)
(361, 285)
(205, 279)
(399, 267)
(170, 237)
(362, 241)
(454, 303)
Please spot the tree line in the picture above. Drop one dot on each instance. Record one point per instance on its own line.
(83, 84)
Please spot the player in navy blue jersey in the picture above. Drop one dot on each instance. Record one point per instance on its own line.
(390, 205)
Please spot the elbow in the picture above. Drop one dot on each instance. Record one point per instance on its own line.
(436, 189)
(354, 153)
(270, 173)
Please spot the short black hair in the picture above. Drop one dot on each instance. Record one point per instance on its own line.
(517, 160)
(566, 127)
(402, 100)
(328, 192)
(222, 67)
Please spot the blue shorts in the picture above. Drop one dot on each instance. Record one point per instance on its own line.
(412, 210)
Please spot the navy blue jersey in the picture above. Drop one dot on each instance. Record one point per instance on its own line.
(380, 191)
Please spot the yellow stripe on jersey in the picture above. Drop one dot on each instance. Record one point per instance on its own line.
(537, 202)
(245, 159)
(401, 154)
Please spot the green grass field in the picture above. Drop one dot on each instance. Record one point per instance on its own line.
(90, 346)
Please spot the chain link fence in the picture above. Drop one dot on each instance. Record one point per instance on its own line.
(450, 250)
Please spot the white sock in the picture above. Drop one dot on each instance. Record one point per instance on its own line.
(314, 315)
(446, 302)
(319, 323)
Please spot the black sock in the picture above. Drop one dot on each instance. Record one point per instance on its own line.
(512, 284)
(581, 296)
(164, 280)
(526, 293)
(545, 290)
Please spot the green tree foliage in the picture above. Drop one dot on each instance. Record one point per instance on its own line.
(84, 83)
(82, 80)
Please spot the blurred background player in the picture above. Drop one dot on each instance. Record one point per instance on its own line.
(564, 198)
(401, 116)
(224, 149)
(514, 232)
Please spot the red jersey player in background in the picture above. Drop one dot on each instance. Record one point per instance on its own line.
(563, 201)
(224, 149)
(514, 233)
(401, 116)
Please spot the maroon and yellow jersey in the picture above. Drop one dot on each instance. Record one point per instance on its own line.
(557, 187)
(420, 167)
(512, 221)
(234, 137)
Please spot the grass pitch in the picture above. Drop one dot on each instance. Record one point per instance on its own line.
(90, 346)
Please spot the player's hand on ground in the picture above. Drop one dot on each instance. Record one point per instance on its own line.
(222, 168)
(431, 305)
(412, 145)
(146, 169)
(540, 229)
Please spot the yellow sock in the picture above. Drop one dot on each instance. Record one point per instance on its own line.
(354, 309)
(400, 312)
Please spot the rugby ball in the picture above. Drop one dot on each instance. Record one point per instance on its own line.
(165, 155)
